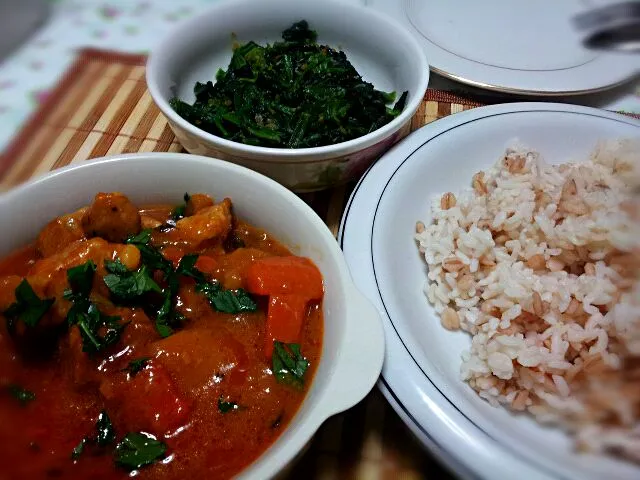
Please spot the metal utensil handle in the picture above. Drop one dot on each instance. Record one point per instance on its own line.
(613, 27)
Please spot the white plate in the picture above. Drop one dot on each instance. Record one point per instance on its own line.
(514, 46)
(421, 371)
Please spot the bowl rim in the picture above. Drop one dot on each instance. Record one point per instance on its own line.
(403, 35)
(349, 377)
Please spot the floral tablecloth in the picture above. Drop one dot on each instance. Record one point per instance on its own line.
(123, 25)
(134, 26)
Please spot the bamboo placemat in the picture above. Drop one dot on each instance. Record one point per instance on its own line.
(102, 107)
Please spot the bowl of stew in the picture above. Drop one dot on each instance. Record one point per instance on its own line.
(308, 93)
(165, 316)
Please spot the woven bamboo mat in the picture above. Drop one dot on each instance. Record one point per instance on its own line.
(102, 107)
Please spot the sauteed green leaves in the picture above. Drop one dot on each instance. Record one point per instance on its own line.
(291, 94)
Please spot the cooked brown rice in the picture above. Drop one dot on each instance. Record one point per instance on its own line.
(540, 264)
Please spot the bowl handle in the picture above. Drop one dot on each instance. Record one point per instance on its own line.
(361, 355)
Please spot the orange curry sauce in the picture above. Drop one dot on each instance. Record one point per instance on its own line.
(212, 359)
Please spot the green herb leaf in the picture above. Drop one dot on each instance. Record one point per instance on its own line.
(103, 436)
(299, 33)
(226, 406)
(138, 449)
(116, 268)
(227, 301)
(233, 301)
(28, 307)
(289, 366)
(153, 259)
(178, 212)
(163, 329)
(166, 316)
(78, 449)
(137, 365)
(142, 238)
(86, 315)
(81, 278)
(400, 104)
(23, 395)
(126, 285)
(105, 433)
(187, 267)
(90, 322)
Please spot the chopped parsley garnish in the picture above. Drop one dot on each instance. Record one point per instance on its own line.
(22, 395)
(138, 449)
(178, 212)
(167, 318)
(78, 449)
(289, 366)
(90, 324)
(225, 406)
(137, 365)
(81, 279)
(152, 258)
(28, 307)
(187, 267)
(86, 315)
(142, 238)
(220, 299)
(227, 301)
(126, 285)
(294, 93)
(103, 436)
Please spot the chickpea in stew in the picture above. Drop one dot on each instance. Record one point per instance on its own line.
(168, 341)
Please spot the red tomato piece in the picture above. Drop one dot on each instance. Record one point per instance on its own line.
(147, 401)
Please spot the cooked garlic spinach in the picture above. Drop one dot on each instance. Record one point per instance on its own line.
(291, 94)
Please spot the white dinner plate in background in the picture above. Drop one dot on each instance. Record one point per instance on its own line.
(513, 46)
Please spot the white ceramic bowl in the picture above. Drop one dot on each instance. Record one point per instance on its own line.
(382, 51)
(353, 338)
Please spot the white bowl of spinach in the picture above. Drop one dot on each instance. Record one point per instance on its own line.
(308, 93)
